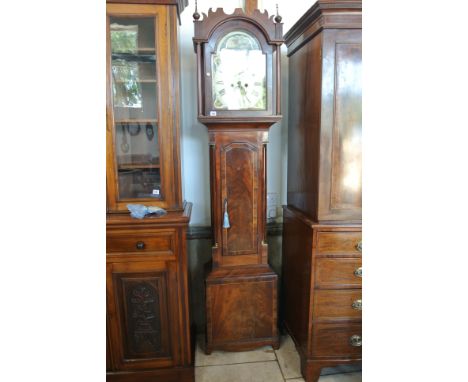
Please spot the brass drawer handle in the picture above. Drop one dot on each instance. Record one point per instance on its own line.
(140, 245)
(357, 305)
(359, 246)
(358, 272)
(355, 340)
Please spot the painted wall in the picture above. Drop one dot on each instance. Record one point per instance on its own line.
(194, 137)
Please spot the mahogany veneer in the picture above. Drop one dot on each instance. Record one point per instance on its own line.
(321, 292)
(322, 244)
(241, 308)
(241, 288)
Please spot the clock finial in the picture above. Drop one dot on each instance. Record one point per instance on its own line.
(278, 18)
(196, 15)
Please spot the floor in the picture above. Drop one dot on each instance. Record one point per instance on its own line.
(261, 365)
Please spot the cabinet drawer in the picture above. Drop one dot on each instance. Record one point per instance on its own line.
(337, 340)
(333, 304)
(338, 272)
(141, 242)
(339, 242)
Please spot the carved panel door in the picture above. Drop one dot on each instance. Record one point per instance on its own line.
(238, 197)
(143, 314)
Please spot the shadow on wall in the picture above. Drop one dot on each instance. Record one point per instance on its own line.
(199, 254)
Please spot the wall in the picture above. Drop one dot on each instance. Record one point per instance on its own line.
(194, 151)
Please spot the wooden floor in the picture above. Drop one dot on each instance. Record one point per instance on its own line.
(261, 365)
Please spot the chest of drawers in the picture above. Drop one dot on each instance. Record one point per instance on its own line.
(322, 299)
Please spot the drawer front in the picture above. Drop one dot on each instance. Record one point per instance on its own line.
(333, 304)
(338, 272)
(339, 242)
(143, 242)
(337, 340)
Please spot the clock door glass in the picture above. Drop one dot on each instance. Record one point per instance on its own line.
(239, 73)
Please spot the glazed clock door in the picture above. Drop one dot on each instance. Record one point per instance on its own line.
(139, 107)
(239, 73)
(142, 309)
(238, 76)
(239, 159)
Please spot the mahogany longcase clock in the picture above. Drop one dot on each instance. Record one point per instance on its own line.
(238, 62)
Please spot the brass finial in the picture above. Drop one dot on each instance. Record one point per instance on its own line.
(278, 18)
(196, 15)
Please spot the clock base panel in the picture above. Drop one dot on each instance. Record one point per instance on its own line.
(241, 307)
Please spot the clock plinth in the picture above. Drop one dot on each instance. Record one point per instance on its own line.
(241, 308)
(238, 59)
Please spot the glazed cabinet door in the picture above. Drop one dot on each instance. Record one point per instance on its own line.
(141, 163)
(143, 314)
(340, 166)
(238, 197)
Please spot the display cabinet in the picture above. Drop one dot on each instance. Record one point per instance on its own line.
(322, 242)
(148, 320)
(142, 105)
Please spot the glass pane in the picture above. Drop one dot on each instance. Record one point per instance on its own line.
(134, 93)
(140, 183)
(239, 73)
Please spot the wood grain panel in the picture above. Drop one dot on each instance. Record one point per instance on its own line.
(337, 273)
(346, 151)
(141, 242)
(240, 185)
(304, 127)
(242, 310)
(340, 133)
(339, 242)
(336, 304)
(333, 340)
(296, 275)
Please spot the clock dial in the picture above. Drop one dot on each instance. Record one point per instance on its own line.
(239, 73)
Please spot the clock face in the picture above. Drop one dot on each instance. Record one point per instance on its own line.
(239, 73)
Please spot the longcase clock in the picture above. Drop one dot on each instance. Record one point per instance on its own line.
(238, 63)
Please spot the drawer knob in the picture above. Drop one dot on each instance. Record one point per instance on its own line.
(358, 272)
(140, 245)
(359, 246)
(357, 304)
(355, 340)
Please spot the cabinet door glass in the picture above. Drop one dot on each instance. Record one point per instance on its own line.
(135, 106)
